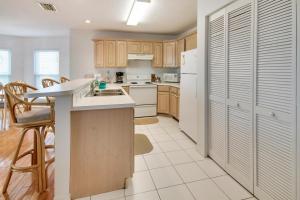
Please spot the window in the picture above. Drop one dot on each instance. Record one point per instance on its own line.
(5, 66)
(46, 65)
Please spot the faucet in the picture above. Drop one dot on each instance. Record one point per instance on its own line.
(93, 85)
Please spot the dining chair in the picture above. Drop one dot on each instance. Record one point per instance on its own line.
(2, 107)
(64, 79)
(47, 82)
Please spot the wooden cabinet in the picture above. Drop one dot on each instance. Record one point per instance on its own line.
(180, 47)
(163, 99)
(98, 53)
(158, 54)
(163, 102)
(110, 53)
(147, 47)
(134, 47)
(169, 54)
(121, 55)
(174, 102)
(191, 42)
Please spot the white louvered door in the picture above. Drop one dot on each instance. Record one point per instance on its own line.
(275, 100)
(239, 134)
(216, 87)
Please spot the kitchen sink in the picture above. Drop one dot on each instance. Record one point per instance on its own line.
(110, 92)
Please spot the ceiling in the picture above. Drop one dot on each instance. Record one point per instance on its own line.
(26, 17)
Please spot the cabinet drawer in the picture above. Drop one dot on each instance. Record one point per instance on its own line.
(163, 88)
(174, 90)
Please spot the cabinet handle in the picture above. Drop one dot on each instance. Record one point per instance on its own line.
(238, 105)
(272, 114)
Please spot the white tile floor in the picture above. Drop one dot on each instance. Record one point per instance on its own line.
(174, 170)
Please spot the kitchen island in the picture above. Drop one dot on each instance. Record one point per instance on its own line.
(94, 139)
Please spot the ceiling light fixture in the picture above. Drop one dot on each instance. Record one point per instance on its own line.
(87, 21)
(137, 11)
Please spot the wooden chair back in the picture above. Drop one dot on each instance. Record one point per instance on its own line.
(16, 102)
(47, 82)
(64, 79)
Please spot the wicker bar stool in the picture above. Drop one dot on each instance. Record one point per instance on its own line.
(29, 115)
(47, 82)
(64, 79)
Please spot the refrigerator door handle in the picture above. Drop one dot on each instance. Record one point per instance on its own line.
(183, 60)
(196, 88)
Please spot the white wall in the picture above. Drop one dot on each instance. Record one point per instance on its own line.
(82, 53)
(22, 50)
(205, 8)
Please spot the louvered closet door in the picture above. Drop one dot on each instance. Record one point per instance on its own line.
(216, 87)
(239, 143)
(275, 98)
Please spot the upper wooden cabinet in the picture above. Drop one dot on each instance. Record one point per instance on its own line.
(158, 54)
(98, 54)
(180, 47)
(147, 47)
(169, 54)
(122, 55)
(134, 47)
(140, 47)
(110, 53)
(191, 42)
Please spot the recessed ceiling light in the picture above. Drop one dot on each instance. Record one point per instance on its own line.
(137, 11)
(87, 21)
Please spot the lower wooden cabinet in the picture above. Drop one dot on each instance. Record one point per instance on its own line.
(168, 100)
(163, 102)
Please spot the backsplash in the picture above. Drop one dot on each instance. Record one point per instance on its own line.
(136, 67)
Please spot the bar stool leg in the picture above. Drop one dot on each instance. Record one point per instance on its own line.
(15, 158)
(39, 157)
(43, 165)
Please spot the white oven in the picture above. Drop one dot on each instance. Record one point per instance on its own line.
(145, 97)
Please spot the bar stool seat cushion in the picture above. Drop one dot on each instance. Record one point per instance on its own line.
(35, 115)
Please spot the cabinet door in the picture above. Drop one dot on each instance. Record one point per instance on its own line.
(163, 102)
(134, 47)
(191, 42)
(173, 105)
(239, 144)
(216, 87)
(147, 47)
(122, 54)
(110, 53)
(178, 104)
(180, 47)
(158, 54)
(275, 101)
(169, 54)
(99, 54)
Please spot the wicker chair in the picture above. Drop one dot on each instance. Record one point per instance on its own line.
(64, 79)
(29, 115)
(2, 107)
(47, 82)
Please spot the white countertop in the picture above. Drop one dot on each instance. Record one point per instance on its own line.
(177, 85)
(63, 89)
(80, 102)
(104, 102)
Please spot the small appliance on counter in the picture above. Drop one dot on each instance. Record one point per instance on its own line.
(171, 77)
(119, 77)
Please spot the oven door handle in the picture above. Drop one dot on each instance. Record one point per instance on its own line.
(143, 86)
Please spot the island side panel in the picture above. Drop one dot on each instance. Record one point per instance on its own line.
(102, 150)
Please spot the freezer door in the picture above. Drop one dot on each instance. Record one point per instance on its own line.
(189, 62)
(188, 105)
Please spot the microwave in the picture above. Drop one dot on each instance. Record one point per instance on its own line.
(171, 77)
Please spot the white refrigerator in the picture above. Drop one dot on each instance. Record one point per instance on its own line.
(188, 94)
